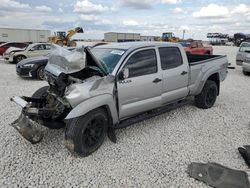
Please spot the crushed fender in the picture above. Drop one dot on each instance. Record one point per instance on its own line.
(218, 176)
(28, 129)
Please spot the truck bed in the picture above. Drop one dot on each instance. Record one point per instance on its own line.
(201, 66)
(198, 59)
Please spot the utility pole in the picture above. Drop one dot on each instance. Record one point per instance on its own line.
(183, 36)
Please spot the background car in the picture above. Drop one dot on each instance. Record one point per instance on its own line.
(5, 46)
(246, 65)
(244, 50)
(34, 67)
(196, 47)
(33, 50)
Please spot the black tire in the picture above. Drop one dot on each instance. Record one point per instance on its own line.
(19, 58)
(59, 43)
(246, 73)
(52, 124)
(40, 73)
(85, 134)
(42, 92)
(208, 95)
(72, 44)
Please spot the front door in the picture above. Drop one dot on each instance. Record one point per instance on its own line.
(175, 74)
(141, 91)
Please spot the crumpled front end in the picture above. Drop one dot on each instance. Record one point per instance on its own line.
(39, 112)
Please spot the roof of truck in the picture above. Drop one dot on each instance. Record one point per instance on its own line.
(128, 45)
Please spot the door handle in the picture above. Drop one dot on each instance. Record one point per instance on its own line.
(157, 80)
(184, 73)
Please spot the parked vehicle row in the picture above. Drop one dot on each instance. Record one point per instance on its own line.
(114, 85)
(15, 55)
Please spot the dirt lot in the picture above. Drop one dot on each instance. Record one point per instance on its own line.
(153, 153)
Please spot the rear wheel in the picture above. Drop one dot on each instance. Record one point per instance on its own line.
(85, 134)
(59, 42)
(72, 44)
(40, 73)
(208, 95)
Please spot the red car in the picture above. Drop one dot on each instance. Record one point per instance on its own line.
(196, 47)
(5, 46)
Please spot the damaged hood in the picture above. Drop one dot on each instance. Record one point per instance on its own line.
(62, 60)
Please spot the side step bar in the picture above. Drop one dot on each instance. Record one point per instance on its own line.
(152, 113)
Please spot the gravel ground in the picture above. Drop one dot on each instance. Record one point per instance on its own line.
(153, 153)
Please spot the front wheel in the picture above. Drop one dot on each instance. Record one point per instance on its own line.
(40, 73)
(208, 95)
(85, 134)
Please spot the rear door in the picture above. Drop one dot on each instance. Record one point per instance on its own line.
(175, 74)
(39, 50)
(141, 91)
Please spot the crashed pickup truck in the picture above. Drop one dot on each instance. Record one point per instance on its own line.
(115, 85)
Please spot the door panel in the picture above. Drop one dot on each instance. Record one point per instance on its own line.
(174, 73)
(139, 93)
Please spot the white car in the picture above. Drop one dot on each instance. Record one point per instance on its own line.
(244, 50)
(15, 55)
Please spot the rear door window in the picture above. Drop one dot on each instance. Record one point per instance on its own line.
(170, 57)
(142, 63)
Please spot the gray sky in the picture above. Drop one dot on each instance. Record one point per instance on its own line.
(148, 17)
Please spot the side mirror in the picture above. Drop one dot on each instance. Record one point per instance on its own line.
(32, 49)
(124, 74)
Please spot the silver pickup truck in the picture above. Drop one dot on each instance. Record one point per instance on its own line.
(116, 85)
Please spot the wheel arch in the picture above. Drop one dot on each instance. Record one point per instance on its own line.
(105, 101)
(214, 77)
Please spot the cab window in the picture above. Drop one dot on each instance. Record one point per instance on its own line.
(142, 63)
(170, 57)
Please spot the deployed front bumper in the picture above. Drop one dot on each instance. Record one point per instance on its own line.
(31, 130)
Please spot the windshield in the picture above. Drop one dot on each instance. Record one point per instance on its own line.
(108, 57)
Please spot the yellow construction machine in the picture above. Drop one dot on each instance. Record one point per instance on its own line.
(61, 38)
(169, 37)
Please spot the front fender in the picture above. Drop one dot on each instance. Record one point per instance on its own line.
(93, 103)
